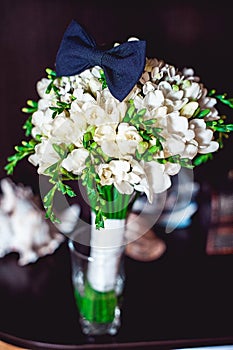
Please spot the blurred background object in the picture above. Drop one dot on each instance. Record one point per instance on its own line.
(5, 346)
(24, 229)
(220, 232)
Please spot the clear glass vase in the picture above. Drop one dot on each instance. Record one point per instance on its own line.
(98, 276)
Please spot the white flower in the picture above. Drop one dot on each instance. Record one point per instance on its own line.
(192, 91)
(105, 136)
(157, 177)
(176, 133)
(105, 132)
(116, 172)
(44, 105)
(188, 109)
(95, 115)
(172, 168)
(105, 173)
(44, 155)
(95, 85)
(203, 136)
(174, 99)
(207, 102)
(154, 99)
(42, 86)
(68, 130)
(75, 161)
(156, 180)
(127, 138)
(42, 122)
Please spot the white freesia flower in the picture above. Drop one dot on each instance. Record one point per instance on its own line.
(42, 122)
(156, 180)
(116, 173)
(105, 132)
(203, 136)
(127, 138)
(44, 105)
(190, 150)
(172, 168)
(189, 109)
(75, 161)
(68, 130)
(105, 136)
(105, 174)
(154, 99)
(192, 91)
(95, 115)
(42, 86)
(95, 85)
(44, 155)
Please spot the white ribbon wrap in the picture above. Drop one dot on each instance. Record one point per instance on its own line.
(106, 249)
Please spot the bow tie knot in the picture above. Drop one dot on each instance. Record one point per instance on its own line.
(95, 59)
(122, 64)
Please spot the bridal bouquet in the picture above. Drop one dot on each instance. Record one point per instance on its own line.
(122, 124)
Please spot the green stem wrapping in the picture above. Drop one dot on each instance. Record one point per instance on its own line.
(94, 306)
(116, 205)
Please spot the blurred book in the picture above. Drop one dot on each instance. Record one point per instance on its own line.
(220, 233)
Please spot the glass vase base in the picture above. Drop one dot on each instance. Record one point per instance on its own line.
(94, 328)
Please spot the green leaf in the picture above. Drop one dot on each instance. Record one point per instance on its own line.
(145, 135)
(150, 121)
(23, 151)
(223, 98)
(33, 106)
(218, 125)
(153, 149)
(61, 150)
(28, 126)
(65, 189)
(184, 162)
(202, 158)
(99, 220)
(49, 88)
(202, 114)
(51, 169)
(51, 73)
(102, 79)
(48, 205)
(32, 103)
(129, 114)
(141, 112)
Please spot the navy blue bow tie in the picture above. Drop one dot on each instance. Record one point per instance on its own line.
(122, 64)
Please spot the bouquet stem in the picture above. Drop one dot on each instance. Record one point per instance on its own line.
(98, 299)
(100, 295)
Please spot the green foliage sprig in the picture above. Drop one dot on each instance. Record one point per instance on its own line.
(30, 109)
(22, 151)
(91, 181)
(218, 126)
(56, 174)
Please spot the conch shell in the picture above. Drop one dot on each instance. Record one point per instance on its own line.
(23, 227)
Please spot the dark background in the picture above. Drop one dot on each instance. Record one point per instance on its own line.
(184, 33)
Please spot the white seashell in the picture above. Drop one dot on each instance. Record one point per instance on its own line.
(23, 227)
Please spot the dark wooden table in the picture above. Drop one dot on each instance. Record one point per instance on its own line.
(184, 298)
